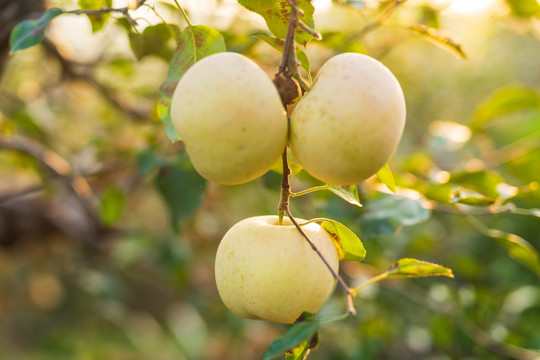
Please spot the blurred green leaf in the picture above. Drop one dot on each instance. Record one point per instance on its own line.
(504, 101)
(440, 39)
(386, 177)
(181, 187)
(416, 268)
(347, 193)
(97, 21)
(484, 182)
(291, 160)
(112, 202)
(154, 40)
(460, 197)
(518, 248)
(276, 14)
(302, 351)
(387, 213)
(297, 334)
(31, 32)
(208, 41)
(349, 246)
(524, 8)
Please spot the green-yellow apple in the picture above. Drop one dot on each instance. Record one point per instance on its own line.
(230, 117)
(349, 124)
(269, 271)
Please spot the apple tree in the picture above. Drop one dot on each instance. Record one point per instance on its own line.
(173, 167)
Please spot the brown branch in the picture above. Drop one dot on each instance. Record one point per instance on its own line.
(289, 68)
(60, 170)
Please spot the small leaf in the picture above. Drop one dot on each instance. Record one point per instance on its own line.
(387, 178)
(97, 21)
(416, 268)
(112, 204)
(461, 197)
(438, 38)
(504, 101)
(386, 214)
(291, 160)
(276, 13)
(31, 32)
(153, 41)
(484, 182)
(349, 246)
(208, 41)
(524, 8)
(347, 193)
(302, 351)
(518, 248)
(297, 334)
(181, 188)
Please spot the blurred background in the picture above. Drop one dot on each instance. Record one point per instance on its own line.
(108, 236)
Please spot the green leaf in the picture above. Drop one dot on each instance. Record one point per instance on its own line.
(347, 193)
(504, 101)
(97, 21)
(440, 39)
(276, 13)
(302, 351)
(112, 204)
(349, 246)
(208, 41)
(297, 334)
(154, 40)
(463, 197)
(387, 178)
(518, 248)
(31, 32)
(524, 8)
(291, 160)
(416, 268)
(386, 214)
(484, 182)
(181, 188)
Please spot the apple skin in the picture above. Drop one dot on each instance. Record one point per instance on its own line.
(269, 271)
(350, 123)
(230, 117)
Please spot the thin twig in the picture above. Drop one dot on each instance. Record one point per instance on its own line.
(58, 169)
(107, 10)
(348, 291)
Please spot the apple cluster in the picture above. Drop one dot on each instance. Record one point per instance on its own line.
(234, 127)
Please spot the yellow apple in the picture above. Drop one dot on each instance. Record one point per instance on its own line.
(350, 123)
(230, 117)
(269, 271)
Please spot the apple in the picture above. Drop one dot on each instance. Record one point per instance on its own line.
(269, 271)
(230, 117)
(350, 123)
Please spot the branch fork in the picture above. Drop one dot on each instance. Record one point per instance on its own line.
(289, 67)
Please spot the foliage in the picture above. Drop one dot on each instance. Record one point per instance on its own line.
(91, 157)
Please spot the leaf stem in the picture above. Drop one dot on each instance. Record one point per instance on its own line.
(190, 29)
(310, 190)
(374, 279)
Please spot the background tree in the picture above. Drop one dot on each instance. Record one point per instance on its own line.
(109, 236)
